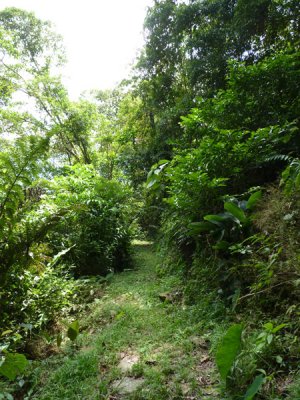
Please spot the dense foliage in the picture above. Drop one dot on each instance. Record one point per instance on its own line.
(60, 216)
(222, 81)
(201, 148)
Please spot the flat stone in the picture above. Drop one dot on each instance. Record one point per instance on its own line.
(198, 341)
(127, 362)
(210, 391)
(185, 387)
(127, 385)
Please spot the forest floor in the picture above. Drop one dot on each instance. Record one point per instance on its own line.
(138, 340)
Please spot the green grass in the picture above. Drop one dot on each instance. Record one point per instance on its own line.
(129, 319)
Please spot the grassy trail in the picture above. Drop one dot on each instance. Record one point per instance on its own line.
(133, 345)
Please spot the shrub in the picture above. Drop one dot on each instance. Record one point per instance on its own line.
(33, 297)
(95, 220)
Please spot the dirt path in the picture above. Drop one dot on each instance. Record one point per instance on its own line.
(139, 341)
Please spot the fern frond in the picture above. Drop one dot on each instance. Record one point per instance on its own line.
(291, 176)
(278, 157)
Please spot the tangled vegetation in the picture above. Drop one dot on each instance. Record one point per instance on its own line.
(200, 149)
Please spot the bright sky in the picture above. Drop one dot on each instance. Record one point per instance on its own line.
(102, 37)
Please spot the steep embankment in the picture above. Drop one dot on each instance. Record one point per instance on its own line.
(138, 341)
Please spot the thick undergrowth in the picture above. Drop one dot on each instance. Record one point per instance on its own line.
(201, 150)
(138, 340)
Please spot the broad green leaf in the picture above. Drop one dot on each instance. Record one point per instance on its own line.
(152, 182)
(279, 359)
(270, 338)
(150, 173)
(254, 388)
(221, 245)
(279, 327)
(13, 365)
(253, 199)
(73, 330)
(200, 227)
(229, 349)
(59, 255)
(269, 326)
(6, 332)
(236, 211)
(162, 162)
(215, 219)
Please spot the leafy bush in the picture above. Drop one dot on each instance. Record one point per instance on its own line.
(257, 96)
(33, 298)
(233, 150)
(291, 176)
(95, 220)
(234, 146)
(78, 216)
(20, 165)
(246, 362)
